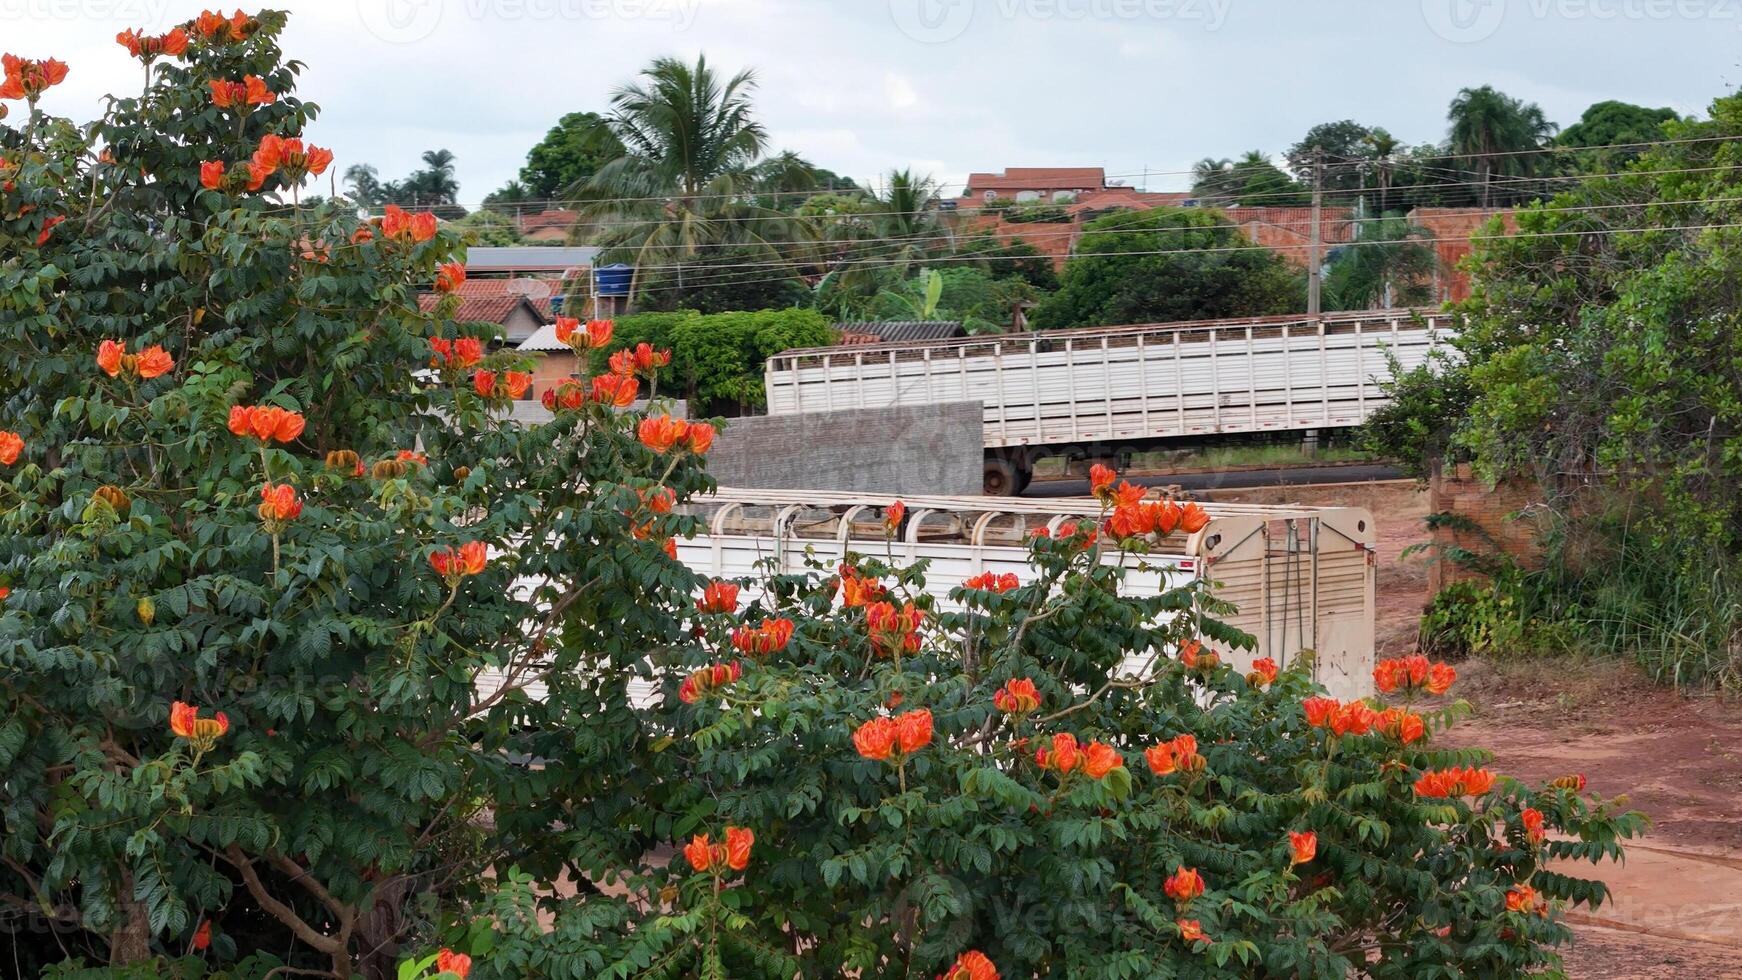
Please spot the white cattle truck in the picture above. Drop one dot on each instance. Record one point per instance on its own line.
(1104, 393)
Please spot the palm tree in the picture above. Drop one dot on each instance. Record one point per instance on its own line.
(1497, 132)
(435, 183)
(1383, 145)
(867, 254)
(685, 178)
(1390, 265)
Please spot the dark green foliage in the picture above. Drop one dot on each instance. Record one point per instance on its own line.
(717, 360)
(1169, 264)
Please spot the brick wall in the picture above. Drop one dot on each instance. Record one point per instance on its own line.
(1496, 510)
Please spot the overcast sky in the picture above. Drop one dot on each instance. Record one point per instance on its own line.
(943, 86)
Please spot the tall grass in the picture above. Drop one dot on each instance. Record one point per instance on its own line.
(1605, 588)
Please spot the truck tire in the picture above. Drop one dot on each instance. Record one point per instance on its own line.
(1003, 477)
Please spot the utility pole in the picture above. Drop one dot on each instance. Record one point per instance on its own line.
(1315, 247)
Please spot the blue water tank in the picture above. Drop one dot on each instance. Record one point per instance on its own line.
(613, 280)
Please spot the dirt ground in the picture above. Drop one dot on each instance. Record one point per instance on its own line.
(1676, 757)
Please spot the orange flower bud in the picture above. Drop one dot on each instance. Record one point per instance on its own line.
(1263, 672)
(116, 498)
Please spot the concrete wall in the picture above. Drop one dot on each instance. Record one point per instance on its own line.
(920, 449)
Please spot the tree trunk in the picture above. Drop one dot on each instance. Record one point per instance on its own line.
(131, 943)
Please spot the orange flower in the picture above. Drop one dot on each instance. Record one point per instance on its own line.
(616, 390)
(1099, 759)
(203, 936)
(1302, 847)
(11, 445)
(406, 228)
(457, 563)
(858, 590)
(226, 93)
(642, 359)
(706, 856)
(1061, 756)
(109, 355)
(270, 152)
(27, 78)
(739, 840)
(1185, 752)
(1454, 782)
(1524, 900)
(1161, 760)
(760, 641)
(1101, 479)
(279, 503)
(1440, 677)
(449, 275)
(875, 739)
(1413, 674)
(203, 733)
(1017, 697)
(1354, 718)
(893, 515)
(1319, 710)
(992, 582)
(154, 362)
(448, 961)
(1194, 657)
(1263, 672)
(4, 593)
(1404, 726)
(661, 433)
(268, 423)
(1193, 518)
(596, 333)
(48, 226)
(972, 965)
(297, 160)
(704, 682)
(1191, 930)
(894, 630)
(699, 853)
(519, 382)
(718, 598)
(258, 93)
(212, 174)
(217, 28)
(1185, 885)
(484, 382)
(700, 438)
(1531, 818)
(913, 730)
(148, 48)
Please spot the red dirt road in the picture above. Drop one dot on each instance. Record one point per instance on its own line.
(1675, 757)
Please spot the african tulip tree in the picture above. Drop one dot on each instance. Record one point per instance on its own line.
(263, 526)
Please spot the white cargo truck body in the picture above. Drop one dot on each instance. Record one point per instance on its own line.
(1116, 387)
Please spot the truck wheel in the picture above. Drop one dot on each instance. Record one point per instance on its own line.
(1003, 478)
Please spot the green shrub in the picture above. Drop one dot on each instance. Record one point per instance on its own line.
(718, 359)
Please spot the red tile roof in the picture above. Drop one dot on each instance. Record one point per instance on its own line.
(1039, 179)
(554, 218)
(491, 300)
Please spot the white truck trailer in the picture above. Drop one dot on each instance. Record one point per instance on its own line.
(1109, 391)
